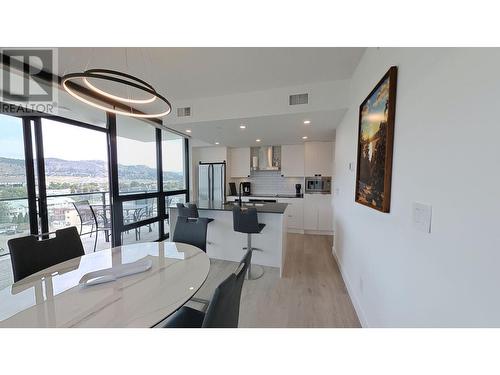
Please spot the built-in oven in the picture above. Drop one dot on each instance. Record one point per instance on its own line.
(318, 185)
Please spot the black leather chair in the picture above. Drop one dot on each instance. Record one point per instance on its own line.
(246, 221)
(31, 254)
(193, 232)
(224, 308)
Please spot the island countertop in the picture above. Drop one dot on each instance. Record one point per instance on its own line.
(267, 207)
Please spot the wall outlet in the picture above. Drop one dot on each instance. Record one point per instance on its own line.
(422, 215)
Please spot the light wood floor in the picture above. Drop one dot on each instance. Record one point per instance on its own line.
(311, 292)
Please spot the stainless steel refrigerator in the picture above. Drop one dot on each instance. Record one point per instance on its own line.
(212, 182)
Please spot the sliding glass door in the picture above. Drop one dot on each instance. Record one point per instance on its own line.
(76, 172)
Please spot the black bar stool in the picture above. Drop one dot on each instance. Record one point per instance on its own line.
(245, 221)
(189, 210)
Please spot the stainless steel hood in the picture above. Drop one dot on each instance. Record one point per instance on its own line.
(265, 158)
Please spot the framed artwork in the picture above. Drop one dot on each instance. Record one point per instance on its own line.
(375, 144)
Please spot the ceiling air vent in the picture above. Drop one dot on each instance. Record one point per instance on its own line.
(184, 112)
(299, 99)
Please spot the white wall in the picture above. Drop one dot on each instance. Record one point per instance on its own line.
(446, 153)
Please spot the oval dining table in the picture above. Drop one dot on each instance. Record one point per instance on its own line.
(54, 298)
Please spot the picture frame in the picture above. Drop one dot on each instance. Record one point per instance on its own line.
(375, 144)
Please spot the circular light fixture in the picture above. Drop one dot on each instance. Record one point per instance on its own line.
(188, 130)
(257, 140)
(216, 143)
(116, 77)
(304, 137)
(243, 126)
(307, 122)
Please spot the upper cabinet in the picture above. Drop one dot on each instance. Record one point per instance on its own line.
(292, 160)
(239, 162)
(318, 158)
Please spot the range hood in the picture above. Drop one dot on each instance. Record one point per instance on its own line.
(265, 158)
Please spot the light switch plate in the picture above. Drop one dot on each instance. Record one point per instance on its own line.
(422, 215)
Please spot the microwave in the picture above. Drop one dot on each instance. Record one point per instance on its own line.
(318, 185)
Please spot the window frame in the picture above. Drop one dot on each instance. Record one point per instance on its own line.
(116, 200)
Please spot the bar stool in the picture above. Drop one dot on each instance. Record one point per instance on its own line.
(189, 210)
(245, 221)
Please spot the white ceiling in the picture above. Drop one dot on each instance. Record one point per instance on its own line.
(191, 73)
(188, 73)
(271, 130)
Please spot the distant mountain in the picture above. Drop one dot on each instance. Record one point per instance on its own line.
(13, 170)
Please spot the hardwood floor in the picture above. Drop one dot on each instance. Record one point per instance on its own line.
(311, 292)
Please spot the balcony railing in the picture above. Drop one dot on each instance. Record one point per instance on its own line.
(14, 214)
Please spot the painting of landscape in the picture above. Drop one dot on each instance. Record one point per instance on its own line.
(375, 141)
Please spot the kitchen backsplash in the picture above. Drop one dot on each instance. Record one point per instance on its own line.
(271, 182)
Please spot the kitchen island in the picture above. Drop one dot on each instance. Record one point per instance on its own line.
(226, 244)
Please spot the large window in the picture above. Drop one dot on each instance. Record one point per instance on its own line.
(76, 170)
(173, 161)
(67, 164)
(136, 149)
(144, 194)
(14, 213)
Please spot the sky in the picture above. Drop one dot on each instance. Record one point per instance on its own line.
(69, 142)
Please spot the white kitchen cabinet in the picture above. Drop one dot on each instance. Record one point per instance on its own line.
(239, 162)
(310, 212)
(318, 212)
(292, 160)
(294, 212)
(325, 213)
(318, 158)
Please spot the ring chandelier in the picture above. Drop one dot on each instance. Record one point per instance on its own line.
(123, 79)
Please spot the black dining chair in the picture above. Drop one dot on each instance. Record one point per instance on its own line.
(31, 254)
(192, 232)
(224, 308)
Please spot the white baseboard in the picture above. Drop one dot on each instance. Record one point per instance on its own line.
(350, 291)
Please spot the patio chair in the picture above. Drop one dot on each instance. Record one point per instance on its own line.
(87, 217)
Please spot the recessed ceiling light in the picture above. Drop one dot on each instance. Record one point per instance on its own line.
(304, 137)
(216, 143)
(257, 140)
(188, 130)
(243, 126)
(307, 122)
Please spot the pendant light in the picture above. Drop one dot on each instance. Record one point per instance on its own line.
(121, 105)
